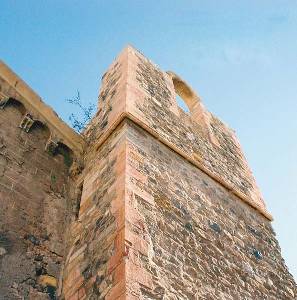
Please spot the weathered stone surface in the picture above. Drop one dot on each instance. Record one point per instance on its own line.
(34, 205)
(94, 262)
(201, 241)
(160, 205)
(135, 88)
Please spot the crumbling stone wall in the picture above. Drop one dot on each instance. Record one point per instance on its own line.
(35, 208)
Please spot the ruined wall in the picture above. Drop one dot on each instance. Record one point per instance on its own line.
(36, 204)
(202, 242)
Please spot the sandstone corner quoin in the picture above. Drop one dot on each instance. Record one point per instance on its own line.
(149, 202)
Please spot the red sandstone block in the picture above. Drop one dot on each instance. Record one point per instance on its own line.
(122, 297)
(119, 251)
(120, 218)
(134, 155)
(85, 205)
(134, 257)
(141, 193)
(118, 203)
(119, 272)
(82, 293)
(137, 242)
(75, 286)
(119, 186)
(121, 148)
(75, 273)
(87, 192)
(135, 273)
(110, 239)
(73, 297)
(131, 171)
(116, 291)
(78, 253)
(121, 165)
(129, 296)
(133, 216)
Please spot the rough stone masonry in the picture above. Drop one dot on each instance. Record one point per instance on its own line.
(150, 202)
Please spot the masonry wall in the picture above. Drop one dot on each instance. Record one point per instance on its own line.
(212, 145)
(169, 207)
(94, 266)
(160, 205)
(202, 242)
(35, 208)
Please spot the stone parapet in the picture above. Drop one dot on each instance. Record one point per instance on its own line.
(13, 87)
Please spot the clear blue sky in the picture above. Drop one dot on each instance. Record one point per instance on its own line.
(240, 56)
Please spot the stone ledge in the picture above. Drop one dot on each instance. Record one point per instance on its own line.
(179, 151)
(33, 101)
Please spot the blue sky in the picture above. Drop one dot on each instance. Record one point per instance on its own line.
(240, 56)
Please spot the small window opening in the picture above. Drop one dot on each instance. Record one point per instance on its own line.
(40, 130)
(185, 96)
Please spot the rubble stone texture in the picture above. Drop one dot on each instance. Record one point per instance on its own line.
(150, 202)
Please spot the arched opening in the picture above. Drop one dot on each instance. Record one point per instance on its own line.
(40, 130)
(185, 96)
(66, 152)
(11, 102)
(182, 104)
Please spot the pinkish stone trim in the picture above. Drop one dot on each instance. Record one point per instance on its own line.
(232, 189)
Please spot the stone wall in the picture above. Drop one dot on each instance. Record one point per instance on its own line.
(38, 198)
(94, 266)
(210, 144)
(153, 226)
(135, 88)
(181, 216)
(148, 203)
(34, 206)
(201, 241)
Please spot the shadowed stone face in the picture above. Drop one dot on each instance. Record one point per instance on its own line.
(34, 206)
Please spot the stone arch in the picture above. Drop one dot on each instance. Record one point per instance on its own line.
(41, 129)
(66, 152)
(185, 92)
(14, 103)
(197, 110)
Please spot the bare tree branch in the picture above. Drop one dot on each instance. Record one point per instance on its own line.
(87, 112)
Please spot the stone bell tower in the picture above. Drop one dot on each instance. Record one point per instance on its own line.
(169, 206)
(150, 202)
